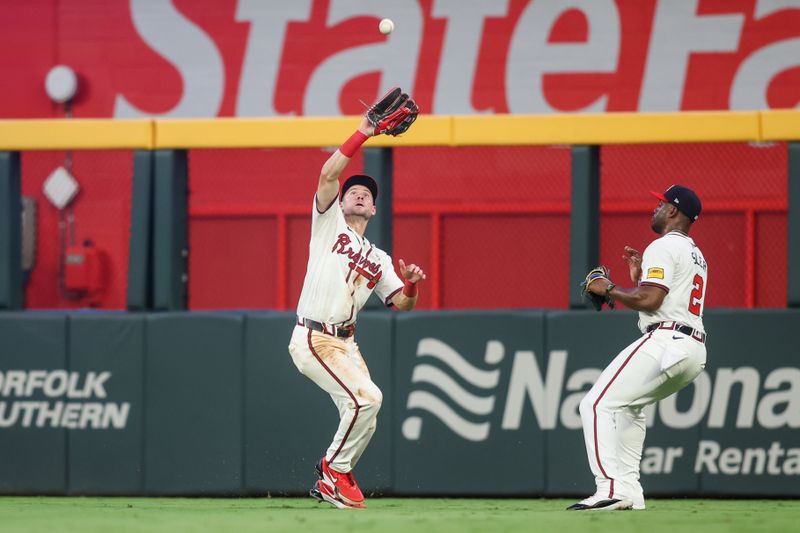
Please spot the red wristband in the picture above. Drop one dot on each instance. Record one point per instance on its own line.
(352, 144)
(410, 289)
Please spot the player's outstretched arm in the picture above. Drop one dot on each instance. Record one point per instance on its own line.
(392, 114)
(406, 299)
(328, 186)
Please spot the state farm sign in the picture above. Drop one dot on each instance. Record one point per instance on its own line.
(210, 58)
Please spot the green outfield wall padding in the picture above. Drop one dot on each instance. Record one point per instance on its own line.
(584, 223)
(212, 404)
(170, 240)
(106, 454)
(378, 163)
(750, 434)
(793, 225)
(11, 291)
(194, 403)
(140, 252)
(458, 430)
(33, 445)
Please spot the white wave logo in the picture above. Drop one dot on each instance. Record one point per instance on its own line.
(475, 404)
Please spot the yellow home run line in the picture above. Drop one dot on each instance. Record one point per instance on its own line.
(429, 130)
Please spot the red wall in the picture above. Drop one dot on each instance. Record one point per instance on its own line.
(742, 231)
(102, 215)
(489, 225)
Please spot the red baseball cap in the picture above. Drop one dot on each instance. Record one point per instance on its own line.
(684, 198)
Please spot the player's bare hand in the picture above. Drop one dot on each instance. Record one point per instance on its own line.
(411, 272)
(366, 128)
(634, 260)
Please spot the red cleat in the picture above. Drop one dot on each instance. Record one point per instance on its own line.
(322, 492)
(341, 485)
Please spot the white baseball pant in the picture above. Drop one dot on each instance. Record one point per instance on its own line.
(336, 365)
(650, 369)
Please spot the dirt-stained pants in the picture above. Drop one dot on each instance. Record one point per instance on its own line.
(336, 365)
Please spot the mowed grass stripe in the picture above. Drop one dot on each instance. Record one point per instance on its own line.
(432, 515)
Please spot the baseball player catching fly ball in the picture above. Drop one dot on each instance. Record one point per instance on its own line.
(671, 285)
(344, 268)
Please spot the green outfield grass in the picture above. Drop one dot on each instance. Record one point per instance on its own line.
(89, 514)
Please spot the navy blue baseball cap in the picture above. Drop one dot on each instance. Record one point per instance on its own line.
(361, 179)
(683, 198)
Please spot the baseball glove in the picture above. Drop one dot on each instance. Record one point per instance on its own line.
(597, 300)
(393, 114)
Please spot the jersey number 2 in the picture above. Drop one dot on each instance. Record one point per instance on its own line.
(696, 298)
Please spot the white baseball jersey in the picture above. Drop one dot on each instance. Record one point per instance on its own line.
(343, 270)
(675, 263)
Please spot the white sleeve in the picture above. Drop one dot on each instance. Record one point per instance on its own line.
(658, 265)
(390, 283)
(323, 223)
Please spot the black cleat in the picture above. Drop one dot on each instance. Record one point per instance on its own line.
(315, 493)
(612, 504)
(578, 507)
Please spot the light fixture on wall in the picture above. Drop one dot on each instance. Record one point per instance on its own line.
(61, 84)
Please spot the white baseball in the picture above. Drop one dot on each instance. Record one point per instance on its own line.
(386, 26)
